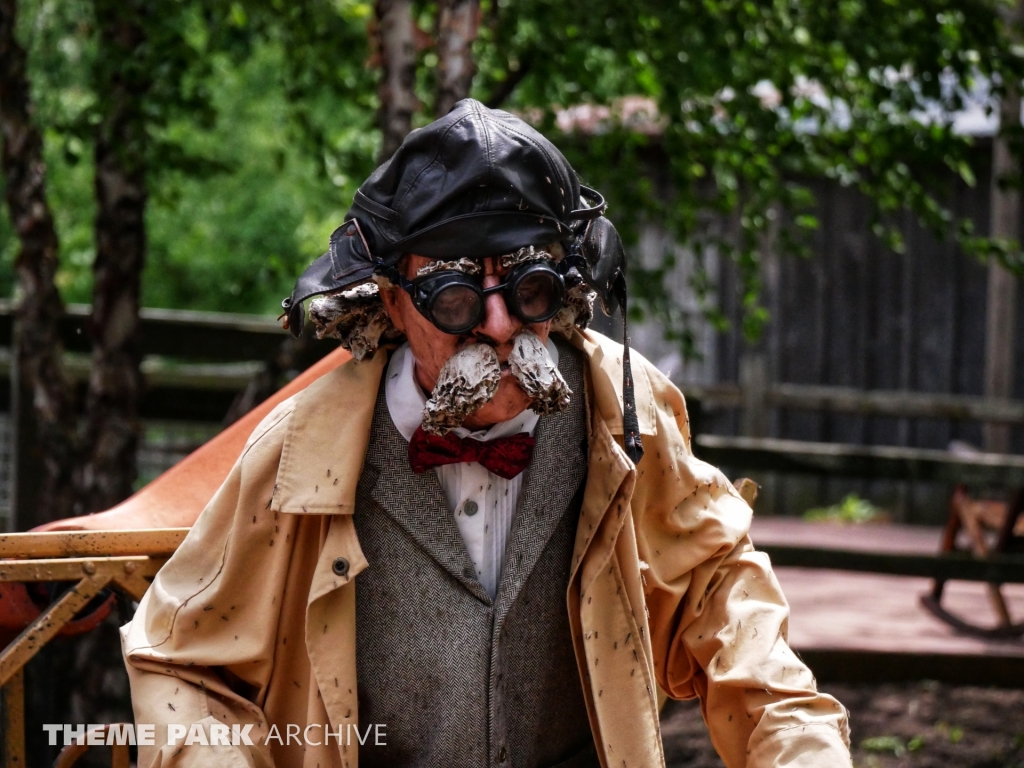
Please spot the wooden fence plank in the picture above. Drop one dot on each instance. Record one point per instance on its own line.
(769, 454)
(1008, 570)
(215, 336)
(879, 402)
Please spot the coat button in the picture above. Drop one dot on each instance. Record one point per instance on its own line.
(502, 754)
(340, 566)
(471, 508)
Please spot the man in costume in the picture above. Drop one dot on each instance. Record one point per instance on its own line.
(486, 537)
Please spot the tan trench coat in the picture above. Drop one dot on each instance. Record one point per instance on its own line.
(249, 623)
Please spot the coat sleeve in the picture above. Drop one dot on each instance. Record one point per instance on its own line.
(718, 618)
(189, 660)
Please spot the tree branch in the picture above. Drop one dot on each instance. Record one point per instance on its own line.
(505, 88)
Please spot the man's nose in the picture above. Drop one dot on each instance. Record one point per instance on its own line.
(499, 325)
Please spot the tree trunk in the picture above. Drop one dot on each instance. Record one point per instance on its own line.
(1001, 311)
(121, 143)
(37, 341)
(457, 24)
(397, 45)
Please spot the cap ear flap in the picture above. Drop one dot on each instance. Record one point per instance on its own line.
(602, 248)
(317, 279)
(345, 264)
(349, 247)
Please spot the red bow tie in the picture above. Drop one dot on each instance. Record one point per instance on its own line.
(504, 456)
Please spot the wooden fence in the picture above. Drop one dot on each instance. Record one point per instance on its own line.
(196, 363)
(852, 316)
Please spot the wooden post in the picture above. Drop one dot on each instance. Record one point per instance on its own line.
(999, 340)
(13, 723)
(1001, 313)
(754, 384)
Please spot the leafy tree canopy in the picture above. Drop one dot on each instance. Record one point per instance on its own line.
(270, 123)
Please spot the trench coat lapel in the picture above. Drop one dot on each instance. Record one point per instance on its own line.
(609, 487)
(416, 501)
(330, 622)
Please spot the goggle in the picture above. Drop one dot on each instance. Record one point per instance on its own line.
(455, 301)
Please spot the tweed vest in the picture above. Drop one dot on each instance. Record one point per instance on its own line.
(460, 680)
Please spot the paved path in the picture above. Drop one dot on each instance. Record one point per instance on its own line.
(837, 611)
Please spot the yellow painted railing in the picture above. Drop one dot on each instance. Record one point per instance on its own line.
(122, 560)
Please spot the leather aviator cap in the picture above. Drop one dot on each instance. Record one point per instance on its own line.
(477, 182)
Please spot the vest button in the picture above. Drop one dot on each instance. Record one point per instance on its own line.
(502, 754)
(471, 508)
(340, 566)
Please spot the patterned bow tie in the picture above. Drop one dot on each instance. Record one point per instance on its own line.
(504, 456)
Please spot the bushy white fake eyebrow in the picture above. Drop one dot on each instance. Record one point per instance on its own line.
(467, 266)
(471, 267)
(524, 256)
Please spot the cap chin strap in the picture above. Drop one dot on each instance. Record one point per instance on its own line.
(630, 423)
(575, 269)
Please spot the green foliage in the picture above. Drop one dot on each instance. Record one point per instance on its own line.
(954, 733)
(851, 509)
(236, 240)
(756, 96)
(263, 122)
(892, 744)
(255, 154)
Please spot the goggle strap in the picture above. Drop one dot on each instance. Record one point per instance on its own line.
(575, 259)
(630, 422)
(595, 206)
(390, 271)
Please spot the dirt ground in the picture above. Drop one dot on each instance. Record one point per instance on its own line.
(899, 725)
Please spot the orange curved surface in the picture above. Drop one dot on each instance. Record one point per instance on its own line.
(175, 498)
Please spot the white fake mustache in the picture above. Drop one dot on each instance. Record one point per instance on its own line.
(470, 377)
(531, 365)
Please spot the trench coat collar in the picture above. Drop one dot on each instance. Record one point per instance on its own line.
(328, 429)
(605, 366)
(330, 425)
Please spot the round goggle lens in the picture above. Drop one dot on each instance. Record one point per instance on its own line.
(456, 308)
(537, 296)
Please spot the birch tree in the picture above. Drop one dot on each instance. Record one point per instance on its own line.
(38, 347)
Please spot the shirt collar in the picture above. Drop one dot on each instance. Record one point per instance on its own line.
(406, 400)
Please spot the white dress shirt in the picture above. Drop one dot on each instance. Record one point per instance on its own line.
(482, 502)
